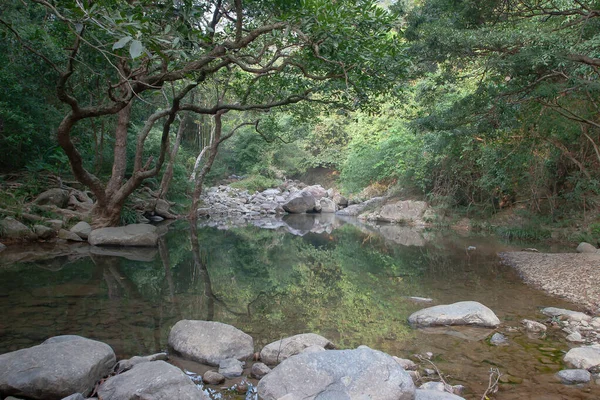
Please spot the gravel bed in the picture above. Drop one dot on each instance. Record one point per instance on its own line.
(572, 276)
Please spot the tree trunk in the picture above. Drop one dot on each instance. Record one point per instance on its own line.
(168, 175)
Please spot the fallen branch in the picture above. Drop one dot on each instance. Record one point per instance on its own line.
(494, 378)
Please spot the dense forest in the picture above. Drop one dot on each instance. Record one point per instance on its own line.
(475, 106)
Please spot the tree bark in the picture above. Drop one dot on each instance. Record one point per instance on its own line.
(168, 175)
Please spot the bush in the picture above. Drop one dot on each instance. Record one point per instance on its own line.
(256, 183)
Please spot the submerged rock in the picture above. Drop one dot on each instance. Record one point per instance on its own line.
(567, 314)
(574, 376)
(280, 350)
(55, 369)
(461, 313)
(498, 339)
(210, 342)
(213, 378)
(155, 380)
(533, 326)
(130, 235)
(347, 374)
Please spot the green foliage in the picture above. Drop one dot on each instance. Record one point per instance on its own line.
(256, 183)
(524, 233)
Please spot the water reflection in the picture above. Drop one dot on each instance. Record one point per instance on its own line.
(348, 282)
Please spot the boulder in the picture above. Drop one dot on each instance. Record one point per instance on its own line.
(55, 224)
(75, 396)
(129, 235)
(533, 326)
(155, 380)
(81, 229)
(327, 205)
(583, 357)
(425, 394)
(55, 369)
(68, 235)
(259, 370)
(231, 368)
(574, 376)
(213, 378)
(340, 200)
(586, 248)
(54, 197)
(280, 350)
(209, 342)
(299, 203)
(461, 313)
(126, 365)
(10, 228)
(2, 247)
(43, 232)
(317, 191)
(406, 211)
(339, 374)
(566, 314)
(356, 209)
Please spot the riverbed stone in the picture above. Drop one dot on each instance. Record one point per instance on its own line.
(43, 232)
(81, 229)
(574, 376)
(231, 368)
(433, 385)
(209, 342)
(585, 357)
(498, 339)
(55, 197)
(360, 373)
(405, 363)
(584, 247)
(125, 365)
(276, 352)
(533, 326)
(75, 396)
(566, 314)
(68, 235)
(299, 203)
(316, 191)
(327, 206)
(10, 228)
(213, 378)
(259, 370)
(155, 380)
(56, 368)
(2, 247)
(461, 313)
(424, 394)
(143, 235)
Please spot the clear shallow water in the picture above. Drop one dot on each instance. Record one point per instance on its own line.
(349, 284)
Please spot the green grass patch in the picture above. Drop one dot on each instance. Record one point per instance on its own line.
(256, 183)
(523, 233)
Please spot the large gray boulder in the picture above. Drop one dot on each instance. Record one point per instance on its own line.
(10, 228)
(407, 211)
(209, 342)
(43, 232)
(55, 197)
(55, 369)
(461, 313)
(129, 235)
(340, 374)
(280, 350)
(299, 203)
(156, 380)
(317, 191)
(585, 357)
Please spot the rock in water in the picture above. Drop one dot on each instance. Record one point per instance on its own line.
(583, 357)
(210, 342)
(231, 368)
(461, 313)
(129, 235)
(154, 380)
(82, 229)
(259, 370)
(280, 350)
(213, 378)
(574, 376)
(567, 314)
(533, 326)
(10, 228)
(423, 394)
(55, 369)
(348, 374)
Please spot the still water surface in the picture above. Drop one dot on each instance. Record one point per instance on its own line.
(349, 283)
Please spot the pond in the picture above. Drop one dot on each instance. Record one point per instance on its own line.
(346, 281)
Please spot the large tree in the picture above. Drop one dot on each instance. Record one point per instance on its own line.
(284, 52)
